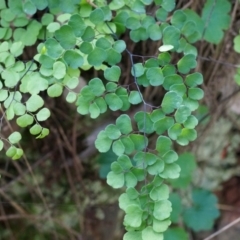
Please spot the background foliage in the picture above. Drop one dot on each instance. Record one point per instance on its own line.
(137, 62)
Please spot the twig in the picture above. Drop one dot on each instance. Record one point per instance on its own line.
(223, 229)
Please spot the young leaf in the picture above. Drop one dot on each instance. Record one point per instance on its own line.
(103, 142)
(115, 180)
(55, 90)
(43, 114)
(160, 193)
(133, 216)
(118, 147)
(112, 131)
(149, 233)
(15, 137)
(162, 209)
(34, 103)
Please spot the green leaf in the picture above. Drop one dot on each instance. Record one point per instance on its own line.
(88, 34)
(11, 77)
(19, 108)
(172, 80)
(157, 114)
(115, 180)
(59, 70)
(103, 142)
(116, 167)
(175, 234)
(155, 76)
(119, 46)
(144, 122)
(171, 36)
(160, 193)
(135, 97)
(132, 193)
(43, 114)
(124, 124)
(15, 137)
(128, 145)
(176, 206)
(103, 43)
(191, 122)
(124, 162)
(203, 213)
(77, 24)
(168, 5)
(71, 97)
(55, 90)
(156, 168)
(149, 233)
(113, 101)
(187, 164)
(112, 131)
(140, 142)
(163, 125)
(194, 79)
(162, 209)
(35, 129)
(180, 89)
(43, 133)
(161, 226)
(96, 16)
(133, 235)
(195, 93)
(133, 216)
(53, 47)
(216, 15)
(137, 70)
(143, 158)
(186, 63)
(133, 23)
(24, 120)
(182, 114)
(118, 148)
(1, 145)
(3, 95)
(97, 56)
(163, 145)
(170, 102)
(34, 103)
(73, 59)
(113, 73)
(170, 157)
(154, 32)
(113, 57)
(17, 48)
(29, 8)
(66, 37)
(11, 151)
(101, 103)
(130, 179)
(96, 86)
(236, 42)
(171, 171)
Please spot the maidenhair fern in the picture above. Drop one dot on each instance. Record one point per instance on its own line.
(77, 36)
